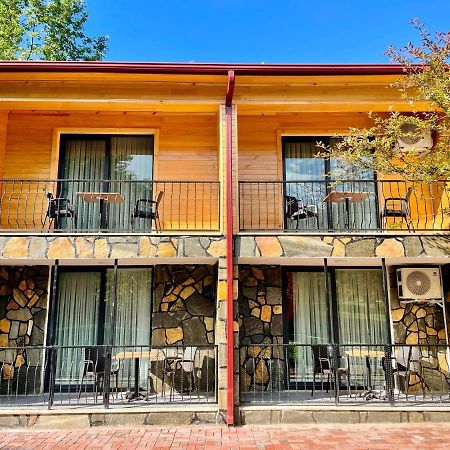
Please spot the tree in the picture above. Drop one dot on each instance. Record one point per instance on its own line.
(427, 78)
(47, 30)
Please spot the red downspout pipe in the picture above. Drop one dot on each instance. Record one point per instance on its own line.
(229, 242)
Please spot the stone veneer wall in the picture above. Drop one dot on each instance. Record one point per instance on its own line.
(23, 310)
(184, 310)
(260, 323)
(291, 246)
(184, 305)
(416, 324)
(104, 247)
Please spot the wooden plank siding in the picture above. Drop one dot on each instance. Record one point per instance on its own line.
(3, 131)
(186, 149)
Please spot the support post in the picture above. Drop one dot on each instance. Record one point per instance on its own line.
(108, 349)
(229, 246)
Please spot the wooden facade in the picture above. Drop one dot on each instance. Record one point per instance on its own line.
(185, 115)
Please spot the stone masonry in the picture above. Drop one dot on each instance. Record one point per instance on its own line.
(261, 327)
(295, 246)
(421, 324)
(105, 247)
(23, 310)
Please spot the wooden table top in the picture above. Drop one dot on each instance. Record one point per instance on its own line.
(94, 197)
(138, 354)
(364, 353)
(352, 197)
(155, 354)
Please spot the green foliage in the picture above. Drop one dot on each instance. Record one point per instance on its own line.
(427, 79)
(47, 30)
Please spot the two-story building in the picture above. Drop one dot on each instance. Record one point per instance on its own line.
(171, 242)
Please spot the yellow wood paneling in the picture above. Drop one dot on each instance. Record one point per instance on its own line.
(3, 131)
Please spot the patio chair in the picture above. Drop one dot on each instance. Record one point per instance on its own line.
(296, 210)
(397, 207)
(58, 208)
(148, 209)
(407, 361)
(186, 366)
(94, 366)
(323, 366)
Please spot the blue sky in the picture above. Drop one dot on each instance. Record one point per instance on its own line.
(270, 31)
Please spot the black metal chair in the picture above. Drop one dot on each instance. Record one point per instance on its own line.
(397, 207)
(295, 209)
(148, 209)
(94, 365)
(185, 365)
(323, 366)
(58, 208)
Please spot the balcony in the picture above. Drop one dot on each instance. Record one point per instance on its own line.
(103, 376)
(344, 206)
(109, 206)
(346, 375)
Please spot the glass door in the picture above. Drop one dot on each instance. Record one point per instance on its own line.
(120, 165)
(309, 321)
(84, 315)
(305, 184)
(78, 318)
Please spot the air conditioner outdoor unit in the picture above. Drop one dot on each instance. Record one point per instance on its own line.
(415, 144)
(419, 284)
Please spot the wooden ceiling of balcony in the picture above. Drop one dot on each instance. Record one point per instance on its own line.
(199, 93)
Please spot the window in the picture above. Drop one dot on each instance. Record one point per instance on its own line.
(99, 163)
(83, 313)
(310, 180)
(353, 313)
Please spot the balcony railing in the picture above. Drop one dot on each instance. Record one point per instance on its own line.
(109, 206)
(345, 374)
(107, 375)
(353, 205)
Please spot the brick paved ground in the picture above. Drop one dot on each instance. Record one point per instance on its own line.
(368, 436)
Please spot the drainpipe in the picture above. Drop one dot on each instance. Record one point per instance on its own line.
(229, 242)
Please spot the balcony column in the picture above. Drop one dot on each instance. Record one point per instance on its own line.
(224, 279)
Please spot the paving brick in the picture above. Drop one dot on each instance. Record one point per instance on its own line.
(311, 436)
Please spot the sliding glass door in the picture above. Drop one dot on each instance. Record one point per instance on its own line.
(84, 315)
(309, 180)
(353, 313)
(78, 320)
(309, 320)
(120, 165)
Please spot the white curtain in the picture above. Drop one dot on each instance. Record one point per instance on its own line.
(76, 320)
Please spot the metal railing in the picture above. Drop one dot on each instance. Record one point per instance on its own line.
(345, 374)
(353, 205)
(51, 376)
(109, 205)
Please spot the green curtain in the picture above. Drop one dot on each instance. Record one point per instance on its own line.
(129, 173)
(133, 316)
(84, 165)
(304, 174)
(361, 307)
(305, 177)
(310, 319)
(77, 317)
(132, 162)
